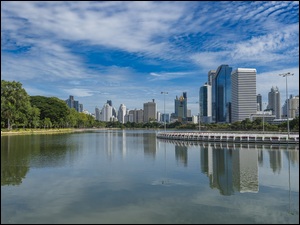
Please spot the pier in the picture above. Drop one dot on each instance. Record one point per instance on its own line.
(270, 138)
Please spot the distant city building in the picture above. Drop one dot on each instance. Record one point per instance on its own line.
(137, 115)
(114, 112)
(158, 116)
(181, 107)
(293, 102)
(165, 117)
(259, 102)
(122, 113)
(205, 103)
(74, 104)
(265, 116)
(149, 111)
(189, 113)
(274, 102)
(221, 95)
(243, 93)
(98, 114)
(80, 107)
(107, 113)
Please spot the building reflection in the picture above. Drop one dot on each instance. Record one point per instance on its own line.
(275, 160)
(234, 167)
(181, 155)
(149, 141)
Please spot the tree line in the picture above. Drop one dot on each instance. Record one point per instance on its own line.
(19, 110)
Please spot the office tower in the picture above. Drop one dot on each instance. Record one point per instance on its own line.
(181, 107)
(137, 115)
(114, 112)
(80, 107)
(221, 95)
(211, 76)
(106, 112)
(165, 117)
(70, 101)
(205, 103)
(158, 116)
(122, 113)
(189, 113)
(293, 102)
(97, 114)
(74, 104)
(243, 93)
(274, 102)
(259, 102)
(149, 111)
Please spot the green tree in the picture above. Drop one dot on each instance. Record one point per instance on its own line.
(15, 104)
(51, 107)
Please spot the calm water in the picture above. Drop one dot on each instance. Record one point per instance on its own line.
(132, 177)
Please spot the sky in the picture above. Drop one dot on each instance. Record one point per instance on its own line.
(130, 52)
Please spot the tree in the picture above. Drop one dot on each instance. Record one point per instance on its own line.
(51, 107)
(15, 103)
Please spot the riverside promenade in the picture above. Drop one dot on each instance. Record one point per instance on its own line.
(270, 138)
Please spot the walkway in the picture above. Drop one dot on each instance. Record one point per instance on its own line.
(231, 137)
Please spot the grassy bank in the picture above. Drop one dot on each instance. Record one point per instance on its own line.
(37, 131)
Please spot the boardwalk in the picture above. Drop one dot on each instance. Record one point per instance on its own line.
(231, 137)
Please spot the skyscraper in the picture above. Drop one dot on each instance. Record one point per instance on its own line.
(181, 107)
(150, 111)
(122, 113)
(205, 103)
(106, 112)
(211, 76)
(243, 93)
(259, 102)
(221, 95)
(274, 102)
(74, 104)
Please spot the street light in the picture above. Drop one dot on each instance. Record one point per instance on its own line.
(287, 103)
(163, 92)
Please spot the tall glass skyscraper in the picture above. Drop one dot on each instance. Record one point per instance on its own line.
(221, 95)
(181, 107)
(259, 102)
(274, 102)
(205, 103)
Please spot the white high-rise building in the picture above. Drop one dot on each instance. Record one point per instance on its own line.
(106, 112)
(293, 102)
(243, 93)
(122, 113)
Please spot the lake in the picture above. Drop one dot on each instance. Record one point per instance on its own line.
(130, 176)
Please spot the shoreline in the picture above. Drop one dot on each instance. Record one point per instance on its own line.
(52, 131)
(44, 131)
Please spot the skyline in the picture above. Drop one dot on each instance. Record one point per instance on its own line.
(130, 52)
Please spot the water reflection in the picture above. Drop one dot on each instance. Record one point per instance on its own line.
(94, 177)
(235, 167)
(20, 153)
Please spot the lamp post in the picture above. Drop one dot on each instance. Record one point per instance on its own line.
(287, 101)
(163, 92)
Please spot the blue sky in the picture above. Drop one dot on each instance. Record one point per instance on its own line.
(129, 52)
